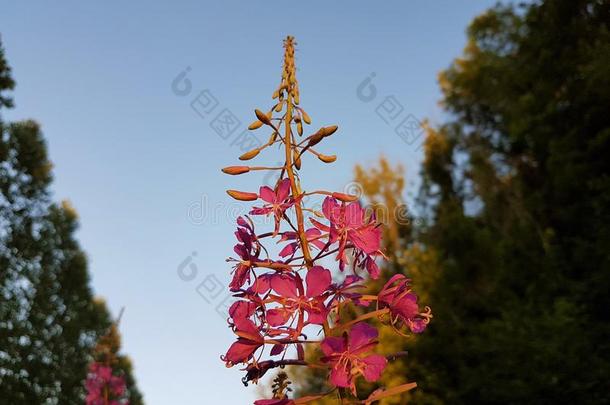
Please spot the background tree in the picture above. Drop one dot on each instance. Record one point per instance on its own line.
(49, 321)
(518, 190)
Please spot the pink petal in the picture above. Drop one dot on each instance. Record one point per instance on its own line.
(241, 351)
(284, 285)
(374, 366)
(318, 280)
(242, 310)
(277, 349)
(328, 207)
(406, 306)
(241, 275)
(262, 284)
(288, 235)
(288, 250)
(319, 225)
(274, 402)
(340, 376)
(351, 279)
(241, 251)
(247, 328)
(372, 268)
(417, 325)
(277, 316)
(311, 233)
(333, 345)
(283, 190)
(267, 194)
(361, 335)
(317, 316)
(261, 210)
(367, 239)
(354, 215)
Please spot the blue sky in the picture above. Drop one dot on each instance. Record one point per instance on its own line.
(141, 166)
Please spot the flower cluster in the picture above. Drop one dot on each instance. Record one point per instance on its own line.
(104, 388)
(104, 384)
(283, 298)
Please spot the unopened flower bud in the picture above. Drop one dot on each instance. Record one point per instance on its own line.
(306, 117)
(255, 125)
(327, 158)
(250, 154)
(262, 117)
(345, 197)
(328, 131)
(242, 195)
(315, 138)
(234, 170)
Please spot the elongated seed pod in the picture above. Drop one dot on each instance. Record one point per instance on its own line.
(234, 170)
(297, 160)
(242, 195)
(300, 128)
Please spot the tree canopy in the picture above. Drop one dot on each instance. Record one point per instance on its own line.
(49, 319)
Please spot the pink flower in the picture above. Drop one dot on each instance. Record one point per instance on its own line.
(117, 386)
(295, 298)
(248, 252)
(285, 401)
(247, 343)
(242, 310)
(94, 390)
(101, 371)
(278, 201)
(100, 377)
(349, 224)
(396, 295)
(348, 357)
(249, 336)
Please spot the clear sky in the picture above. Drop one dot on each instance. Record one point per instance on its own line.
(141, 166)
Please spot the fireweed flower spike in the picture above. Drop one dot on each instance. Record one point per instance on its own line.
(282, 300)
